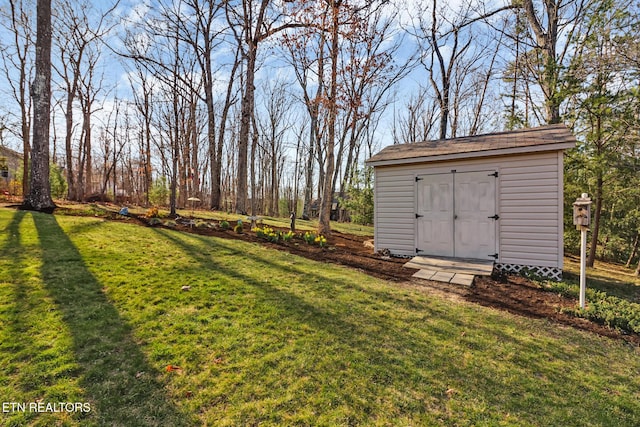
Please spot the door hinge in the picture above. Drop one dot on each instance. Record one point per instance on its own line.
(494, 174)
(418, 250)
(418, 179)
(419, 216)
(493, 255)
(496, 216)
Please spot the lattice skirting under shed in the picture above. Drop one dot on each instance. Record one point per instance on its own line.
(553, 273)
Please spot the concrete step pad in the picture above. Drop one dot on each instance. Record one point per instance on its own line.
(452, 265)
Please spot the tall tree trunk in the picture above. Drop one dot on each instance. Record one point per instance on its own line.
(148, 177)
(81, 163)
(245, 129)
(88, 176)
(39, 197)
(547, 39)
(634, 250)
(254, 146)
(596, 221)
(68, 116)
(308, 186)
(216, 172)
(324, 226)
(26, 133)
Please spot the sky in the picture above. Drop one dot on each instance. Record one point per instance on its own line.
(116, 76)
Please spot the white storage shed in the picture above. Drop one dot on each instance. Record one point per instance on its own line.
(496, 196)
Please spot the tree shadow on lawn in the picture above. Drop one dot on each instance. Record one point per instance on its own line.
(17, 338)
(409, 359)
(118, 382)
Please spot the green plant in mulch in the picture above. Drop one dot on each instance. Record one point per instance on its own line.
(238, 227)
(224, 225)
(614, 312)
(309, 237)
(314, 239)
(155, 221)
(288, 236)
(267, 233)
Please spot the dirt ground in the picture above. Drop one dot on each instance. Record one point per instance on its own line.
(513, 294)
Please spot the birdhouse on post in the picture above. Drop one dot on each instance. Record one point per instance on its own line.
(582, 211)
(581, 219)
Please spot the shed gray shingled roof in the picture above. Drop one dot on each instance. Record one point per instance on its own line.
(544, 138)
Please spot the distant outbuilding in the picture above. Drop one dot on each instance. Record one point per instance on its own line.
(496, 196)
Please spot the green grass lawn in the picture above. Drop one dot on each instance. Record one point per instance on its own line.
(92, 311)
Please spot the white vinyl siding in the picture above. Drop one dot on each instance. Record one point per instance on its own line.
(529, 208)
(394, 212)
(529, 200)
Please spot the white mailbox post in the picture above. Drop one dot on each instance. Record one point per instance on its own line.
(581, 219)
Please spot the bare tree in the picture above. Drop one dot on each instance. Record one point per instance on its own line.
(252, 22)
(89, 88)
(17, 55)
(143, 88)
(162, 49)
(371, 66)
(305, 52)
(553, 25)
(446, 40)
(78, 35)
(417, 119)
(202, 36)
(272, 130)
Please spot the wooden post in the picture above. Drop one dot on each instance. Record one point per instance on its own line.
(583, 264)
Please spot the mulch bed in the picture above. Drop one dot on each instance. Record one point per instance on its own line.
(513, 294)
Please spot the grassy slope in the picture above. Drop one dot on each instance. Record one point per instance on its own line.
(93, 311)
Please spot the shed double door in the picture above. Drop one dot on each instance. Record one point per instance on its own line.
(456, 214)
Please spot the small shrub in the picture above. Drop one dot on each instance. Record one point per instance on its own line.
(171, 224)
(224, 225)
(530, 274)
(155, 221)
(152, 213)
(238, 228)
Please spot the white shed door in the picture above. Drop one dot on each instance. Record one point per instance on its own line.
(475, 206)
(455, 214)
(435, 214)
